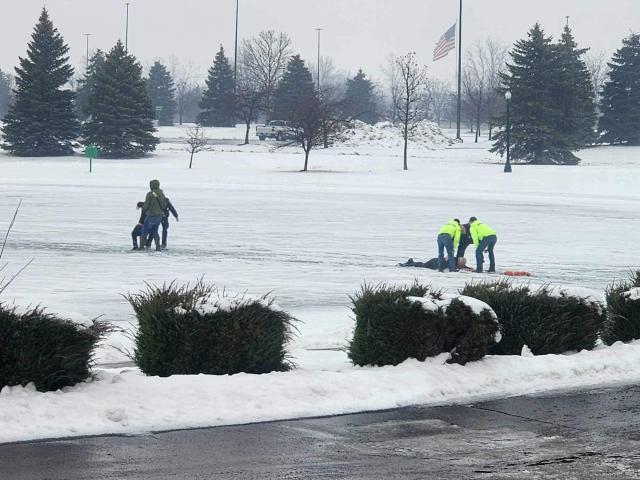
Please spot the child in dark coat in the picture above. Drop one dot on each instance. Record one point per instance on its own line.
(137, 230)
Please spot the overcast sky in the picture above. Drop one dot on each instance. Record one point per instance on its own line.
(357, 33)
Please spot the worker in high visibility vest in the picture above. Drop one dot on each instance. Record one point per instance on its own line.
(484, 238)
(448, 239)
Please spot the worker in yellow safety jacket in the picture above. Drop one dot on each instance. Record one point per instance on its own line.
(448, 239)
(484, 238)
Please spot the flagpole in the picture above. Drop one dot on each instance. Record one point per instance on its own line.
(459, 71)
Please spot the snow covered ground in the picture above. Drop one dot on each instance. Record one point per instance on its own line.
(249, 221)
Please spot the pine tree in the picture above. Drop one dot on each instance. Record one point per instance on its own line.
(573, 95)
(620, 104)
(295, 88)
(5, 94)
(218, 104)
(86, 84)
(121, 122)
(359, 99)
(42, 121)
(162, 94)
(532, 79)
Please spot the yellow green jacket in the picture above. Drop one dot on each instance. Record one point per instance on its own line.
(452, 228)
(480, 230)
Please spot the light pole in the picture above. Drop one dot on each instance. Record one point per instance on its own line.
(235, 53)
(87, 35)
(507, 165)
(126, 32)
(319, 30)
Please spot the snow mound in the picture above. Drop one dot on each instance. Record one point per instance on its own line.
(633, 294)
(384, 134)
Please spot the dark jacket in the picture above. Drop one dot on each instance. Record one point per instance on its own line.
(169, 208)
(465, 241)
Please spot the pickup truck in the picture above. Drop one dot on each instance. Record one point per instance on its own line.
(278, 129)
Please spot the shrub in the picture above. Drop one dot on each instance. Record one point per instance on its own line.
(547, 320)
(623, 310)
(41, 348)
(396, 323)
(190, 330)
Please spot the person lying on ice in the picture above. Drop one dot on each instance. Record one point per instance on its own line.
(433, 264)
(448, 239)
(137, 230)
(484, 238)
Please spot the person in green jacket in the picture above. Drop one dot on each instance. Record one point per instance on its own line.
(484, 238)
(154, 206)
(448, 239)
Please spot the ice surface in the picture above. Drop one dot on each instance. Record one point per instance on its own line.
(250, 222)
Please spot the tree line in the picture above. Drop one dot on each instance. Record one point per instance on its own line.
(561, 99)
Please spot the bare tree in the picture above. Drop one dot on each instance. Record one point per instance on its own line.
(474, 84)
(391, 73)
(408, 103)
(439, 97)
(599, 70)
(196, 142)
(495, 55)
(249, 100)
(316, 119)
(264, 59)
(184, 84)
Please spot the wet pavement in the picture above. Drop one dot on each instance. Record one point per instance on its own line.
(584, 435)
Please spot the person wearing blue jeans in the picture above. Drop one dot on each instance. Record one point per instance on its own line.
(484, 238)
(154, 205)
(448, 239)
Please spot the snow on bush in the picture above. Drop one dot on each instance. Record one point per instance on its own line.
(384, 134)
(396, 323)
(623, 310)
(546, 319)
(192, 330)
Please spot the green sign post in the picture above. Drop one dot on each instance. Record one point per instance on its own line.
(91, 152)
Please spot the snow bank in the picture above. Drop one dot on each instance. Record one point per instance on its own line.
(633, 294)
(126, 401)
(427, 135)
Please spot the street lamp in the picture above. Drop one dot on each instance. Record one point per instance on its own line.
(507, 165)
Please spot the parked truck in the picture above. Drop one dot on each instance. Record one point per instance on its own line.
(278, 129)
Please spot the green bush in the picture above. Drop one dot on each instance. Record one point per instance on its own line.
(546, 320)
(191, 330)
(41, 348)
(623, 311)
(391, 327)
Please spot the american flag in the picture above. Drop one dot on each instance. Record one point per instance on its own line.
(446, 43)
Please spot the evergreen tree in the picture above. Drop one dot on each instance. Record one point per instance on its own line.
(5, 94)
(86, 84)
(218, 101)
(121, 123)
(573, 95)
(359, 99)
(162, 94)
(295, 88)
(42, 121)
(532, 78)
(620, 104)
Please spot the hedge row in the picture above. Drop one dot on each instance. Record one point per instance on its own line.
(41, 348)
(396, 323)
(623, 310)
(191, 330)
(546, 320)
